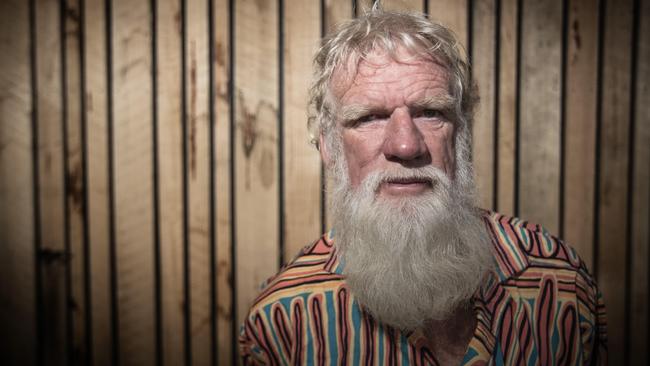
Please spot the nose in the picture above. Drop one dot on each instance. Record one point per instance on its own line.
(403, 142)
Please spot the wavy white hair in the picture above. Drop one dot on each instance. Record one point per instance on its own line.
(353, 40)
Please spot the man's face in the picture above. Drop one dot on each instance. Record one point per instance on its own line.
(395, 114)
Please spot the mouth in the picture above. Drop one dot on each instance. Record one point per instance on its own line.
(405, 186)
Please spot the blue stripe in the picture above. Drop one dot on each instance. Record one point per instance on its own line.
(356, 326)
(331, 328)
(404, 346)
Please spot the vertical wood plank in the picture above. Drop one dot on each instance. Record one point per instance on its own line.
(336, 12)
(302, 161)
(170, 180)
(580, 127)
(133, 180)
(403, 5)
(638, 332)
(51, 177)
(198, 174)
(363, 6)
(612, 195)
(225, 313)
(74, 176)
(97, 191)
(17, 311)
(452, 14)
(483, 72)
(256, 151)
(539, 170)
(507, 118)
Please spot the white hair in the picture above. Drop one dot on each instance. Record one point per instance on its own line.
(389, 31)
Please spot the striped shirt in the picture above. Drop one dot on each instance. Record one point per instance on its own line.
(540, 306)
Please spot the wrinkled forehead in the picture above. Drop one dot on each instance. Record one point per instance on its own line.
(359, 65)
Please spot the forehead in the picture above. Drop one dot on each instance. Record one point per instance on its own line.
(383, 77)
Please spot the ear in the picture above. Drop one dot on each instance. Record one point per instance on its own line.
(323, 149)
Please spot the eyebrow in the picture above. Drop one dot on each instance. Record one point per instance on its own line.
(443, 102)
(353, 112)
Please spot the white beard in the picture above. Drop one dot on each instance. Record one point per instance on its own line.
(409, 260)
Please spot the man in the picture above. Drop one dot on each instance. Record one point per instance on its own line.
(412, 273)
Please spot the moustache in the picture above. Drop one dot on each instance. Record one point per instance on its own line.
(429, 175)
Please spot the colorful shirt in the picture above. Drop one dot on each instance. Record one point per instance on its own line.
(540, 306)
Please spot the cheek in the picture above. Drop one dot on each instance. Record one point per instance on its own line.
(441, 146)
(359, 152)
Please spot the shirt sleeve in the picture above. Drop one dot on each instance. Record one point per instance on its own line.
(250, 351)
(593, 322)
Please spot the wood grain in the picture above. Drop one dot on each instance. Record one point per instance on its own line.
(336, 12)
(640, 209)
(507, 118)
(539, 169)
(170, 178)
(452, 14)
(97, 190)
(256, 150)
(483, 72)
(301, 160)
(51, 176)
(198, 176)
(580, 127)
(221, 64)
(17, 312)
(623, 146)
(612, 195)
(74, 176)
(133, 180)
(403, 5)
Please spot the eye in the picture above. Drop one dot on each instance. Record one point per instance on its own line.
(430, 114)
(369, 118)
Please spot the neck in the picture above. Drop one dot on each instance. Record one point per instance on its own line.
(448, 339)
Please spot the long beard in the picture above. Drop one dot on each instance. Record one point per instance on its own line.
(413, 259)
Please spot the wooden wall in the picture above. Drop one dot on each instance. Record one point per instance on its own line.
(155, 167)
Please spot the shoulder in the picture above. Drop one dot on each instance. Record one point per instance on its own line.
(284, 300)
(548, 283)
(521, 246)
(308, 273)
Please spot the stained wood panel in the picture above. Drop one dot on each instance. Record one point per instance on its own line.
(507, 103)
(613, 187)
(170, 177)
(74, 182)
(403, 5)
(453, 14)
(133, 180)
(98, 184)
(336, 12)
(17, 308)
(302, 162)
(640, 209)
(580, 127)
(483, 73)
(603, 186)
(541, 65)
(256, 148)
(364, 6)
(51, 177)
(222, 69)
(198, 174)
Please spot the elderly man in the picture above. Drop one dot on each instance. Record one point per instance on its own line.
(412, 273)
